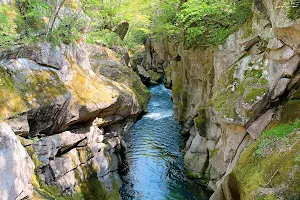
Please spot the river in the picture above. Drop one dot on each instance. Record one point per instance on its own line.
(153, 166)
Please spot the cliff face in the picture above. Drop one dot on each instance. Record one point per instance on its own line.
(69, 106)
(227, 96)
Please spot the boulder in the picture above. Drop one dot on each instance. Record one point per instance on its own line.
(123, 52)
(135, 95)
(269, 168)
(122, 29)
(258, 126)
(142, 72)
(16, 167)
(195, 158)
(35, 90)
(19, 125)
(43, 54)
(280, 87)
(155, 77)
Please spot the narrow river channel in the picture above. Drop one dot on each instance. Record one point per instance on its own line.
(154, 164)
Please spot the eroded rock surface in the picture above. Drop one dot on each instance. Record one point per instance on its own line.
(16, 167)
(227, 96)
(59, 99)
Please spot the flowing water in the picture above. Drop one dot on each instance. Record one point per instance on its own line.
(154, 164)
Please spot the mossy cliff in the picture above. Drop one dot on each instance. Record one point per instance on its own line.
(226, 96)
(60, 108)
(269, 168)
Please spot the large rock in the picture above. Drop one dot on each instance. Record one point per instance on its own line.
(43, 53)
(46, 91)
(122, 29)
(71, 160)
(135, 95)
(123, 52)
(142, 72)
(35, 90)
(16, 167)
(76, 93)
(195, 158)
(268, 168)
(260, 124)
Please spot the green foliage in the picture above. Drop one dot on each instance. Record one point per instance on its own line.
(165, 21)
(7, 30)
(68, 30)
(209, 22)
(106, 15)
(104, 36)
(267, 169)
(294, 8)
(29, 21)
(204, 22)
(281, 132)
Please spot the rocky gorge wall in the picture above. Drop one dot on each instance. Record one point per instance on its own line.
(63, 112)
(239, 104)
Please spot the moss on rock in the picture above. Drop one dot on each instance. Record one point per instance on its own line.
(273, 172)
(240, 85)
(89, 90)
(289, 111)
(155, 76)
(26, 89)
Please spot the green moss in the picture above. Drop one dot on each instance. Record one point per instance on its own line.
(233, 91)
(288, 113)
(202, 176)
(212, 153)
(294, 9)
(200, 120)
(248, 28)
(267, 197)
(87, 89)
(31, 89)
(279, 133)
(225, 98)
(142, 93)
(277, 166)
(178, 87)
(84, 154)
(155, 76)
(50, 192)
(180, 98)
(33, 156)
(181, 107)
(11, 101)
(127, 77)
(94, 189)
(190, 174)
(296, 94)
(89, 171)
(254, 93)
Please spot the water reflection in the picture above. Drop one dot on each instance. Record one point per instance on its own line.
(154, 164)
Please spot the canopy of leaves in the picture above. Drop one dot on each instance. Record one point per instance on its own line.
(196, 22)
(106, 15)
(204, 22)
(7, 29)
(27, 21)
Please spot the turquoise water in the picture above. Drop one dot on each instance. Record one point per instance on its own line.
(154, 164)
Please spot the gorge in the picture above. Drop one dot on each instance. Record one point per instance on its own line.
(85, 116)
